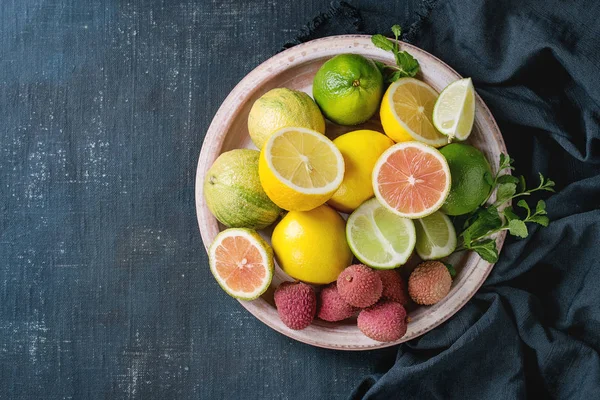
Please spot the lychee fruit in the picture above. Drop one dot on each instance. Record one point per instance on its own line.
(429, 283)
(331, 305)
(296, 304)
(359, 286)
(394, 287)
(384, 322)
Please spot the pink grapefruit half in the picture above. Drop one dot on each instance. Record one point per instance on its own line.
(241, 262)
(411, 179)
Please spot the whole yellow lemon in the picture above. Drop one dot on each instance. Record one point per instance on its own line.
(360, 150)
(311, 245)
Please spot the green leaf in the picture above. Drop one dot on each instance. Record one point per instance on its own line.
(381, 67)
(505, 192)
(509, 214)
(523, 204)
(395, 76)
(522, 184)
(450, 268)
(502, 159)
(397, 31)
(407, 63)
(485, 220)
(382, 42)
(543, 220)
(516, 227)
(507, 179)
(487, 177)
(486, 249)
(505, 162)
(540, 207)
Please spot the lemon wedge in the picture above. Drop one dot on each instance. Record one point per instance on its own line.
(454, 110)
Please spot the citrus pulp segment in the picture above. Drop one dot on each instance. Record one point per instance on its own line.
(241, 262)
(436, 236)
(406, 112)
(378, 237)
(454, 110)
(300, 169)
(411, 179)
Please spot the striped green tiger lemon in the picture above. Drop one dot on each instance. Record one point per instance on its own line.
(282, 108)
(233, 192)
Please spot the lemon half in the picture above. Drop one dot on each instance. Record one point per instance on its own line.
(300, 169)
(407, 110)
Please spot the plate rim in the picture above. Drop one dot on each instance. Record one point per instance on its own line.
(278, 63)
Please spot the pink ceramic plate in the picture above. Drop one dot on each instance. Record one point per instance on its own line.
(295, 69)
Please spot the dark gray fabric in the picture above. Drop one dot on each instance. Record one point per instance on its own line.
(105, 291)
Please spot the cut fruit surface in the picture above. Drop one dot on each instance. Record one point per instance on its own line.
(300, 169)
(436, 236)
(378, 237)
(406, 112)
(241, 262)
(454, 110)
(411, 179)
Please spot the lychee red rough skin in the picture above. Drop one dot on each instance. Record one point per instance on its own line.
(394, 286)
(296, 304)
(429, 283)
(359, 286)
(332, 307)
(384, 322)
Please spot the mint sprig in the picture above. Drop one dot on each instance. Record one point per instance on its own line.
(487, 220)
(406, 65)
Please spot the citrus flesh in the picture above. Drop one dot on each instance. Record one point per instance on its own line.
(436, 236)
(454, 111)
(378, 237)
(411, 179)
(311, 245)
(281, 108)
(406, 112)
(241, 262)
(348, 89)
(360, 150)
(300, 169)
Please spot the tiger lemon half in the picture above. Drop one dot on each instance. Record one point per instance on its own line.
(300, 169)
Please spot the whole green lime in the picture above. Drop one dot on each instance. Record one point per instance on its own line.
(468, 167)
(233, 192)
(348, 88)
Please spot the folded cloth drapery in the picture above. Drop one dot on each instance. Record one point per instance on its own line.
(533, 329)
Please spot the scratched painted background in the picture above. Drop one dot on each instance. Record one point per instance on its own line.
(104, 286)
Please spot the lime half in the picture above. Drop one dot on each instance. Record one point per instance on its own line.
(378, 237)
(436, 237)
(454, 110)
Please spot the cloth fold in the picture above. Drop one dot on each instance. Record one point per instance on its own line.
(533, 329)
